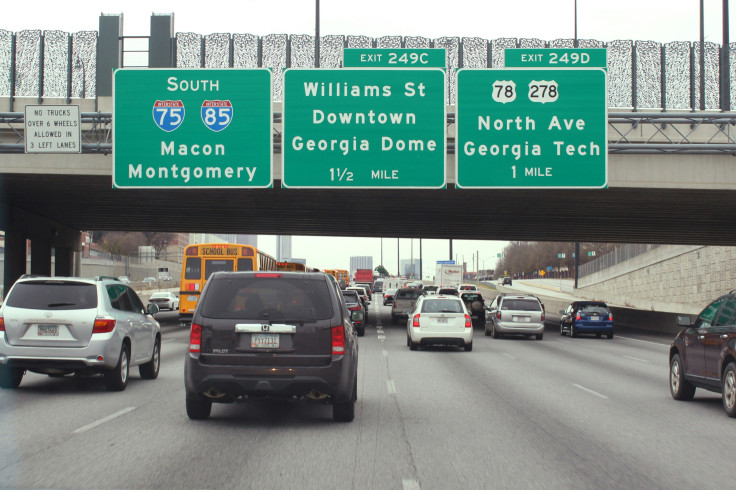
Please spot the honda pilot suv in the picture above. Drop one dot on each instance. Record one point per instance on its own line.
(277, 335)
(71, 325)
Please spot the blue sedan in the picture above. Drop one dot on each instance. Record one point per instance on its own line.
(587, 317)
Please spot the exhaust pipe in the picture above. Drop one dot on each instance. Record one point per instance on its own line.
(317, 395)
(214, 393)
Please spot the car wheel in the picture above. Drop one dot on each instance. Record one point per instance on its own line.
(412, 345)
(468, 347)
(540, 336)
(150, 369)
(573, 333)
(345, 412)
(486, 331)
(562, 330)
(361, 331)
(495, 334)
(117, 378)
(680, 387)
(198, 407)
(609, 335)
(728, 389)
(10, 377)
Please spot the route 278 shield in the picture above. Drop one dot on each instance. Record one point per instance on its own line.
(168, 114)
(217, 114)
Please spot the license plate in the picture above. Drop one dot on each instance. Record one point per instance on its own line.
(521, 319)
(442, 320)
(595, 318)
(48, 330)
(264, 340)
(192, 298)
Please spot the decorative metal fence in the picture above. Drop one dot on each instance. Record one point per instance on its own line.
(642, 75)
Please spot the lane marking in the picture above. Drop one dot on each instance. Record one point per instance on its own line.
(391, 387)
(410, 484)
(636, 359)
(382, 337)
(385, 353)
(645, 341)
(590, 391)
(509, 356)
(565, 341)
(170, 340)
(104, 420)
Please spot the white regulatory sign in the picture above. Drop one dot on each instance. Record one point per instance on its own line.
(52, 129)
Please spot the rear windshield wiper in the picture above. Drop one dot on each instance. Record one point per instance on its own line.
(52, 305)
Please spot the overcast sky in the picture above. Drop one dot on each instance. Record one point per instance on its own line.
(646, 20)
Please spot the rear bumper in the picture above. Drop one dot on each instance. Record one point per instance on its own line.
(335, 380)
(603, 328)
(520, 328)
(68, 358)
(448, 338)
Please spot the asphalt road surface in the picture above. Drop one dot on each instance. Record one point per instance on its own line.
(513, 413)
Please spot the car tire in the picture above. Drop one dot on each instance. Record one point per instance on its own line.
(486, 331)
(540, 336)
(150, 369)
(494, 332)
(345, 412)
(10, 377)
(609, 335)
(468, 347)
(728, 389)
(116, 379)
(680, 388)
(573, 333)
(412, 345)
(198, 407)
(361, 331)
(562, 330)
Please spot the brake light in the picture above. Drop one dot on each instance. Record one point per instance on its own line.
(247, 252)
(195, 338)
(192, 251)
(498, 314)
(542, 315)
(338, 340)
(269, 274)
(610, 317)
(468, 322)
(577, 317)
(354, 308)
(2, 324)
(415, 323)
(103, 325)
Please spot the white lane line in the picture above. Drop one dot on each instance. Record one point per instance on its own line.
(385, 353)
(636, 359)
(170, 340)
(104, 420)
(645, 341)
(410, 484)
(381, 337)
(590, 391)
(509, 356)
(391, 387)
(565, 341)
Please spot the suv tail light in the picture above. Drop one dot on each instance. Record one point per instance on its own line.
(103, 325)
(415, 322)
(577, 316)
(498, 314)
(195, 338)
(610, 317)
(542, 315)
(468, 322)
(2, 324)
(338, 340)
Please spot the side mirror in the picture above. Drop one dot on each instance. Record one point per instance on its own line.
(152, 309)
(684, 321)
(407, 312)
(357, 316)
(562, 312)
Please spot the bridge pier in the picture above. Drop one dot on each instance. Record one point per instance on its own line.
(41, 257)
(15, 258)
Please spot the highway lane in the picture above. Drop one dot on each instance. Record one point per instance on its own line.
(557, 413)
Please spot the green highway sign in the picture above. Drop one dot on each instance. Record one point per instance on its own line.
(364, 128)
(393, 58)
(555, 58)
(530, 128)
(192, 128)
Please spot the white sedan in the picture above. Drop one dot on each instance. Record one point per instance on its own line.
(166, 300)
(439, 319)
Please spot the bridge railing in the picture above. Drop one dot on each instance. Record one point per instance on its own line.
(628, 132)
(642, 75)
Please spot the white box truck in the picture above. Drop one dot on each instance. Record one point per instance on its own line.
(448, 275)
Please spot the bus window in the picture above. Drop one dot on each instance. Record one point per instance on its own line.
(245, 264)
(214, 265)
(193, 269)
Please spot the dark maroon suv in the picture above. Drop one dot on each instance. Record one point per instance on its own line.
(703, 355)
(278, 335)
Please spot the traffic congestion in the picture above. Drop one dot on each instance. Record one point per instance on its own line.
(271, 354)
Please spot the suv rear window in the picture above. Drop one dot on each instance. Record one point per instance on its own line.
(258, 298)
(442, 306)
(350, 297)
(521, 305)
(594, 310)
(53, 295)
(411, 294)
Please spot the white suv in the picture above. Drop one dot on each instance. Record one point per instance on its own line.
(468, 288)
(439, 320)
(65, 325)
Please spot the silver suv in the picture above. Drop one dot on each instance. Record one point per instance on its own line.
(515, 314)
(65, 325)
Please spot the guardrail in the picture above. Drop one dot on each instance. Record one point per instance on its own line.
(628, 132)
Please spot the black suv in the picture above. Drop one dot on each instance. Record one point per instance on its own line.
(282, 335)
(476, 306)
(703, 355)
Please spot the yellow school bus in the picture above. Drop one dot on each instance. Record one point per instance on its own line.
(290, 266)
(340, 274)
(204, 259)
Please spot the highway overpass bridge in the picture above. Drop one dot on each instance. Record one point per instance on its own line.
(671, 172)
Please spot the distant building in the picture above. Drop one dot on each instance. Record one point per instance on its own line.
(406, 268)
(360, 262)
(283, 248)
